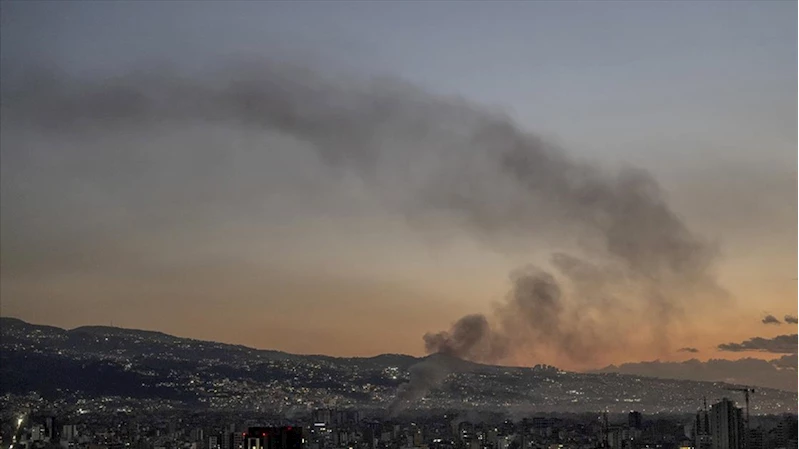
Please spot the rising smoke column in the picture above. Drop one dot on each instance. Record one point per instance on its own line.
(424, 376)
(430, 154)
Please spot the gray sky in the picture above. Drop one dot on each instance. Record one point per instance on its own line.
(703, 94)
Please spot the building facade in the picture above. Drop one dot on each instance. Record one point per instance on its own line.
(726, 425)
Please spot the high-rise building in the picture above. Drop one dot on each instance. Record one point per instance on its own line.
(702, 428)
(38, 433)
(235, 440)
(726, 426)
(786, 432)
(69, 432)
(634, 420)
(343, 418)
(616, 438)
(323, 416)
(756, 439)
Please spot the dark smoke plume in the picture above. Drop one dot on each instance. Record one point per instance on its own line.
(533, 314)
(470, 338)
(437, 156)
(424, 376)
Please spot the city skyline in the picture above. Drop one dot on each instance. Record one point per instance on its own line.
(205, 220)
(336, 427)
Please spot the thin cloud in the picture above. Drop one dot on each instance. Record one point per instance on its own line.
(688, 349)
(781, 344)
(787, 361)
(771, 319)
(777, 373)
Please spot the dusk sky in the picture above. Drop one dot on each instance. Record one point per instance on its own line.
(223, 230)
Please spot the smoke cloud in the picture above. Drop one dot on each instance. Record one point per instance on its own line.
(791, 319)
(627, 255)
(534, 315)
(424, 376)
(469, 338)
(688, 349)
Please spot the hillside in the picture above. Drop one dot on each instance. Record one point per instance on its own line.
(91, 362)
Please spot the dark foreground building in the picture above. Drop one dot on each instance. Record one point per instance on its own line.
(273, 438)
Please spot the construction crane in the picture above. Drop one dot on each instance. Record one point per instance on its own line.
(746, 391)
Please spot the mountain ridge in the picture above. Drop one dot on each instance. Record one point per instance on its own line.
(122, 331)
(406, 359)
(95, 362)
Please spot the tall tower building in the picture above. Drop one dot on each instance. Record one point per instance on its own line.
(702, 428)
(786, 432)
(756, 439)
(726, 425)
(236, 440)
(634, 420)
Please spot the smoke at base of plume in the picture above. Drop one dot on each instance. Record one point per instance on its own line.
(444, 155)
